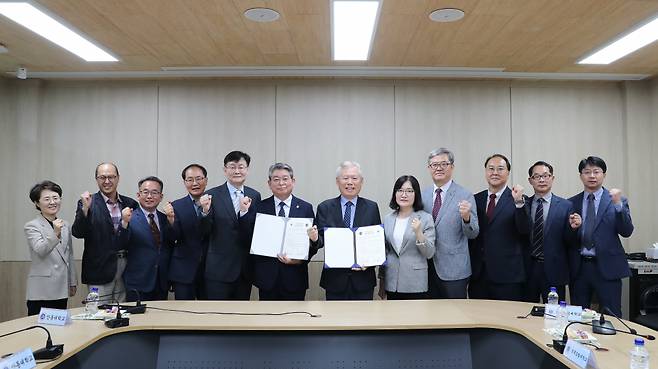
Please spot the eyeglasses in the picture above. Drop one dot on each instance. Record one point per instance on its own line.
(406, 191)
(442, 165)
(153, 193)
(239, 168)
(545, 176)
(285, 179)
(49, 199)
(500, 169)
(106, 178)
(595, 172)
(194, 179)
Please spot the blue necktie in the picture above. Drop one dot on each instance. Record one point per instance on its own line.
(538, 231)
(347, 217)
(282, 213)
(590, 222)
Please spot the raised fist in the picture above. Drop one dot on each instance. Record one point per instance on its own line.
(245, 203)
(465, 210)
(205, 201)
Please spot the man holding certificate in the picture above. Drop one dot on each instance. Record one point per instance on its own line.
(348, 211)
(284, 239)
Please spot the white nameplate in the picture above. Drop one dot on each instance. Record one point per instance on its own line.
(20, 360)
(53, 317)
(575, 313)
(580, 355)
(550, 311)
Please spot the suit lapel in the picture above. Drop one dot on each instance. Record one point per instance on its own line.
(101, 207)
(505, 198)
(226, 202)
(46, 229)
(142, 222)
(447, 202)
(552, 211)
(603, 206)
(389, 226)
(294, 208)
(409, 233)
(359, 212)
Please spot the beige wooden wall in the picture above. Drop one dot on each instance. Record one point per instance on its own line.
(61, 130)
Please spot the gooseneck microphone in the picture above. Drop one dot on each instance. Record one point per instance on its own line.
(602, 326)
(50, 352)
(139, 308)
(630, 330)
(118, 321)
(560, 344)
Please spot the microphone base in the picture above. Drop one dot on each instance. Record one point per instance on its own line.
(559, 345)
(117, 322)
(137, 309)
(48, 353)
(606, 328)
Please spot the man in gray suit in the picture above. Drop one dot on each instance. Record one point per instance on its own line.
(455, 221)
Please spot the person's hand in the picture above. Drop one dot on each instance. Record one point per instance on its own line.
(415, 225)
(169, 212)
(57, 226)
(517, 194)
(313, 233)
(245, 203)
(575, 221)
(465, 210)
(86, 202)
(72, 290)
(286, 260)
(205, 201)
(615, 196)
(126, 215)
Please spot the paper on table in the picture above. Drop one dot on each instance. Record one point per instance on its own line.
(370, 246)
(268, 233)
(339, 247)
(295, 241)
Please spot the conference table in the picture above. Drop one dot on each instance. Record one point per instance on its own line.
(317, 334)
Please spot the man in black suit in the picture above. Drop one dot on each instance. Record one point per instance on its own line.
(549, 238)
(351, 211)
(101, 220)
(228, 269)
(282, 278)
(186, 270)
(497, 252)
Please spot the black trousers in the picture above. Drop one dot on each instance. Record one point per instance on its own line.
(34, 306)
(536, 288)
(238, 290)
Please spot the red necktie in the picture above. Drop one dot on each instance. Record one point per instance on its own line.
(437, 203)
(491, 206)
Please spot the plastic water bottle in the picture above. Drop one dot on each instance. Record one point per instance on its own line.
(552, 301)
(91, 302)
(639, 355)
(562, 317)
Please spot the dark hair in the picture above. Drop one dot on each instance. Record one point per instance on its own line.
(592, 161)
(540, 163)
(236, 156)
(35, 192)
(116, 169)
(205, 172)
(153, 179)
(418, 201)
(509, 166)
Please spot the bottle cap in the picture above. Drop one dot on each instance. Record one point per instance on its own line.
(553, 289)
(639, 342)
(563, 303)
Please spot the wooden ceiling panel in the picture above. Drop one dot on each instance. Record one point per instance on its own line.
(518, 35)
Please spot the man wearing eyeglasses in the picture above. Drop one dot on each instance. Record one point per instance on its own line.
(149, 244)
(549, 238)
(455, 221)
(101, 220)
(187, 267)
(599, 263)
(497, 252)
(228, 274)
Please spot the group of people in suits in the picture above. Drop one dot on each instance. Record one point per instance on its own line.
(441, 242)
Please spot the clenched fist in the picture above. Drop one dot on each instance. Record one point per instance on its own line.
(169, 212)
(615, 195)
(575, 221)
(205, 201)
(245, 203)
(313, 233)
(126, 215)
(465, 210)
(57, 226)
(517, 194)
(86, 202)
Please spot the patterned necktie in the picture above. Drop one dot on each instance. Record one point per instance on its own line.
(197, 208)
(347, 217)
(236, 200)
(590, 222)
(491, 206)
(115, 214)
(437, 203)
(282, 212)
(154, 230)
(538, 231)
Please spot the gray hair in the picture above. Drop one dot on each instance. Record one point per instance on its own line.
(441, 151)
(279, 166)
(346, 165)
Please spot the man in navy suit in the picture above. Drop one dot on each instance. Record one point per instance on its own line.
(549, 238)
(186, 270)
(497, 252)
(348, 211)
(149, 245)
(100, 219)
(599, 263)
(283, 278)
(228, 274)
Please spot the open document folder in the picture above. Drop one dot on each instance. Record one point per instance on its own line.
(361, 247)
(278, 235)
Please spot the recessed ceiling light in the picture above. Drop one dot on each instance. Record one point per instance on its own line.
(353, 28)
(262, 15)
(625, 45)
(446, 15)
(41, 23)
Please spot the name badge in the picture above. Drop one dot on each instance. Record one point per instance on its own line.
(575, 313)
(53, 317)
(550, 311)
(20, 360)
(580, 355)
